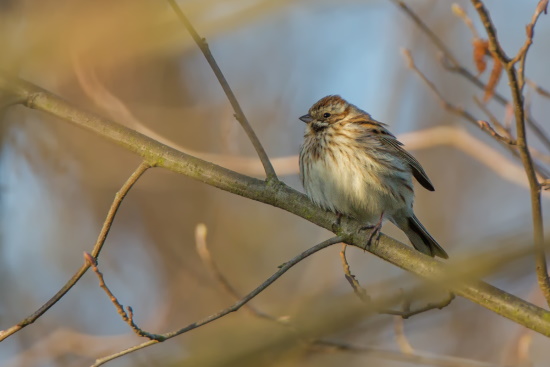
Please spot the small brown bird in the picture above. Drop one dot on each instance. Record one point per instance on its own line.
(351, 164)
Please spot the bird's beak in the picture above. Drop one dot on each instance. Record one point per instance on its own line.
(306, 118)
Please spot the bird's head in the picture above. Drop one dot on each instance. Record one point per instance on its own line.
(330, 110)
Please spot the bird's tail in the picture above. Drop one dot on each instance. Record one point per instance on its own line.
(421, 239)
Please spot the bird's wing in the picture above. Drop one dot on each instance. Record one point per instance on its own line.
(393, 145)
(418, 172)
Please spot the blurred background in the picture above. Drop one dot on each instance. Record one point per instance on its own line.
(132, 61)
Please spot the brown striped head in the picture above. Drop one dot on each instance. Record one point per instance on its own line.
(330, 110)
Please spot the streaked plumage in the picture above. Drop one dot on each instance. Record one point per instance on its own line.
(351, 164)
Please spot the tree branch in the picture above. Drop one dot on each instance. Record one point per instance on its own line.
(420, 359)
(406, 312)
(127, 316)
(239, 114)
(514, 81)
(537, 88)
(521, 56)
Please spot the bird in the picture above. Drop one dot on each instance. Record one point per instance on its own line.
(350, 164)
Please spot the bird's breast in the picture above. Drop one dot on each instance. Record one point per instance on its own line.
(341, 175)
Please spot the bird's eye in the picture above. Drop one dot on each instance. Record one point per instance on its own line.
(326, 115)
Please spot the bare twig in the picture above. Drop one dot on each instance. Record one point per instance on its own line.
(239, 114)
(357, 289)
(427, 30)
(537, 88)
(156, 338)
(521, 56)
(407, 312)
(402, 341)
(364, 296)
(119, 197)
(421, 359)
(515, 79)
(461, 13)
(501, 129)
(545, 184)
(485, 126)
(127, 316)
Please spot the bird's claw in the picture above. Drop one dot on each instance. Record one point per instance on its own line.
(336, 225)
(374, 235)
(375, 232)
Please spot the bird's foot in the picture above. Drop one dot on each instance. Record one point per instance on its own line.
(375, 232)
(374, 235)
(336, 224)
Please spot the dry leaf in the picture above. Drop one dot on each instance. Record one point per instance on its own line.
(493, 79)
(480, 51)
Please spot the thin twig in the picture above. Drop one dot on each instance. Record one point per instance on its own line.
(357, 289)
(407, 312)
(503, 130)
(127, 316)
(156, 338)
(521, 56)
(427, 30)
(515, 81)
(421, 359)
(402, 341)
(485, 126)
(461, 13)
(239, 114)
(364, 296)
(119, 197)
(537, 88)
